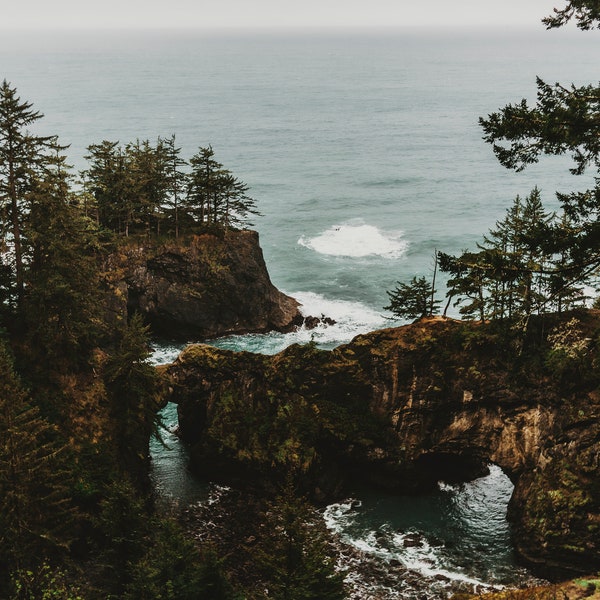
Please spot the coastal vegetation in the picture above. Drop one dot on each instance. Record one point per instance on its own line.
(533, 261)
(79, 399)
(145, 187)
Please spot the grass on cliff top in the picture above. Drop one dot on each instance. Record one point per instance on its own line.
(577, 589)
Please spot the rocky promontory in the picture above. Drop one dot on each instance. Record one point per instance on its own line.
(405, 407)
(202, 286)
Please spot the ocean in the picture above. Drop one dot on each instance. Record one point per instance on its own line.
(364, 153)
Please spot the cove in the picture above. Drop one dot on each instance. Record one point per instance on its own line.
(401, 409)
(454, 538)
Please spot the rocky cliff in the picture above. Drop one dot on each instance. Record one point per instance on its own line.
(403, 408)
(203, 286)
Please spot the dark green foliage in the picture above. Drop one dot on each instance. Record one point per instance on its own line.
(563, 121)
(569, 351)
(148, 557)
(519, 269)
(132, 384)
(294, 557)
(62, 303)
(585, 12)
(413, 300)
(23, 159)
(172, 568)
(144, 188)
(43, 582)
(35, 481)
(214, 195)
(535, 262)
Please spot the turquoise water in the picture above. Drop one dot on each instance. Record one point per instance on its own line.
(362, 150)
(364, 153)
(454, 539)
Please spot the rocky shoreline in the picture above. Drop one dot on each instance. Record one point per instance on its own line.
(398, 408)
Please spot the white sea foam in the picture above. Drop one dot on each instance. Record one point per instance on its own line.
(351, 319)
(163, 354)
(424, 559)
(356, 239)
(387, 545)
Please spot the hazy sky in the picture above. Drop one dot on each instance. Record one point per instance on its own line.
(49, 14)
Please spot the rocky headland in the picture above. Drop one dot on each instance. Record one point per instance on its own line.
(405, 407)
(201, 286)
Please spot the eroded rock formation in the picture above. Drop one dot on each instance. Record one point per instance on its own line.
(403, 408)
(203, 287)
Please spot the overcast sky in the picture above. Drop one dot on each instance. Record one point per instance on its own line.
(50, 14)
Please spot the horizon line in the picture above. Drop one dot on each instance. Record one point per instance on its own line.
(325, 28)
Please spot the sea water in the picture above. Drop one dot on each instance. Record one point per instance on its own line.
(362, 148)
(365, 156)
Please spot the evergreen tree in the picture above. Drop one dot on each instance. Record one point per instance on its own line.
(295, 559)
(518, 270)
(564, 120)
(467, 281)
(105, 181)
(62, 305)
(23, 157)
(413, 300)
(148, 182)
(203, 187)
(132, 383)
(175, 179)
(585, 12)
(214, 195)
(564, 291)
(521, 244)
(236, 205)
(172, 567)
(35, 510)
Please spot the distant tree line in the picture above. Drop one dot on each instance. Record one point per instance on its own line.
(145, 187)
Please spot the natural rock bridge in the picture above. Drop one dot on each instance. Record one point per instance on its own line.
(402, 408)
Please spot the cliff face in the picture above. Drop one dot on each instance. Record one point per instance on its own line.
(403, 408)
(206, 286)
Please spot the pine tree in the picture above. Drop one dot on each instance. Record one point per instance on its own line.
(564, 120)
(236, 206)
(23, 156)
(294, 558)
(585, 12)
(132, 383)
(175, 179)
(412, 300)
(214, 195)
(62, 305)
(35, 510)
(467, 281)
(201, 201)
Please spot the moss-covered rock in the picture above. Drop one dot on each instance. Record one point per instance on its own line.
(202, 286)
(402, 408)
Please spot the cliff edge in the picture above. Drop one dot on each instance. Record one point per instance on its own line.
(203, 286)
(403, 408)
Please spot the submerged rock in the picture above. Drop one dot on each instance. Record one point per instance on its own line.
(404, 408)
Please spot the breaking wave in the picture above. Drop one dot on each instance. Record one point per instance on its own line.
(356, 239)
